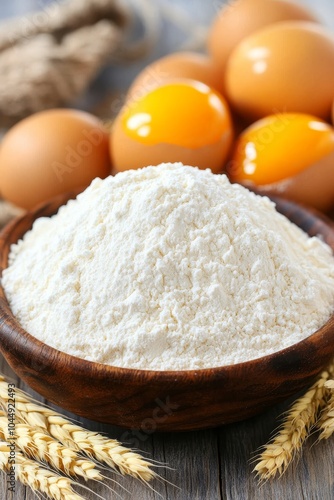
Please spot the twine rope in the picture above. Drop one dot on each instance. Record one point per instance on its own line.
(49, 58)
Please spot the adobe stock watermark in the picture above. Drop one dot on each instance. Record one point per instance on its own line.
(74, 156)
(11, 440)
(154, 76)
(148, 426)
(221, 8)
(91, 139)
(263, 139)
(36, 22)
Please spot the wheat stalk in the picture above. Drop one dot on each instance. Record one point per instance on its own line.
(325, 423)
(40, 446)
(38, 478)
(300, 419)
(94, 445)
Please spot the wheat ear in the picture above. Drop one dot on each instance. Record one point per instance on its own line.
(94, 445)
(299, 420)
(38, 478)
(40, 446)
(325, 423)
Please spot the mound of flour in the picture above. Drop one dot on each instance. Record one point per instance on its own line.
(169, 267)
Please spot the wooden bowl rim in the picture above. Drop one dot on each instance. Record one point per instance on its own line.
(101, 371)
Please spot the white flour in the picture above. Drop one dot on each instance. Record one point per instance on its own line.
(169, 267)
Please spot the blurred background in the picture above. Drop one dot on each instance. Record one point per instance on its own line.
(85, 54)
(169, 25)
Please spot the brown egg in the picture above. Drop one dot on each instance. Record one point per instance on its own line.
(205, 157)
(178, 65)
(333, 113)
(287, 154)
(240, 18)
(180, 121)
(50, 153)
(286, 67)
(313, 186)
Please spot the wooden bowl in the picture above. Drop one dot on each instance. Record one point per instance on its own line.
(170, 400)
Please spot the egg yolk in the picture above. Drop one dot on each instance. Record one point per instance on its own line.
(187, 114)
(280, 146)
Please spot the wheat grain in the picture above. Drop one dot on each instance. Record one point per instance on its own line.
(326, 422)
(38, 478)
(299, 420)
(99, 447)
(40, 446)
(94, 445)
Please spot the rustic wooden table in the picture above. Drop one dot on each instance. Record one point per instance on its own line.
(211, 464)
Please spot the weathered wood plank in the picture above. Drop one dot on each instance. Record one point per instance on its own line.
(210, 465)
(310, 477)
(194, 458)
